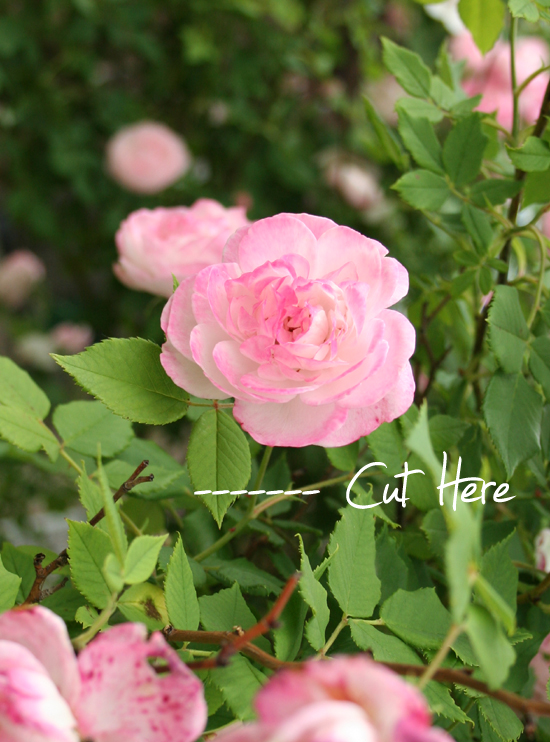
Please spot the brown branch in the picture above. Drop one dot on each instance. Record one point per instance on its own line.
(232, 643)
(36, 593)
(535, 593)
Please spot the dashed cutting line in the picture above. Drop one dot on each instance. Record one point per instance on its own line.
(256, 492)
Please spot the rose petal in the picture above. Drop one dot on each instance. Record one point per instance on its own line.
(187, 374)
(270, 239)
(123, 698)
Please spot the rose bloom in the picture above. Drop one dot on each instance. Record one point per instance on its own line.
(154, 244)
(109, 694)
(20, 271)
(490, 76)
(295, 325)
(69, 337)
(357, 184)
(542, 550)
(147, 157)
(346, 699)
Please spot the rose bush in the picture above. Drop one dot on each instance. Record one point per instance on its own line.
(349, 699)
(110, 693)
(153, 245)
(147, 157)
(295, 325)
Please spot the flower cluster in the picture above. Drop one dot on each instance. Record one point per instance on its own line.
(109, 693)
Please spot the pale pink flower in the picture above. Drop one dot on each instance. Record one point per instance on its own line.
(541, 668)
(347, 699)
(384, 94)
(295, 325)
(490, 75)
(546, 224)
(110, 693)
(542, 550)
(154, 244)
(147, 157)
(447, 14)
(358, 185)
(69, 337)
(20, 271)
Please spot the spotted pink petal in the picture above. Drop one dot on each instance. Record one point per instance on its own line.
(45, 635)
(125, 700)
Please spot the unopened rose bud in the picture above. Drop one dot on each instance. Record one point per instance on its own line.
(19, 273)
(147, 157)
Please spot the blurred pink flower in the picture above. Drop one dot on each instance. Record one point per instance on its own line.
(384, 94)
(447, 14)
(358, 185)
(348, 699)
(546, 224)
(20, 271)
(69, 337)
(295, 325)
(147, 157)
(541, 668)
(154, 244)
(109, 693)
(542, 550)
(491, 77)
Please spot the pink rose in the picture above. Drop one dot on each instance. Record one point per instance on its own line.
(147, 157)
(540, 664)
(347, 699)
(357, 184)
(109, 694)
(295, 325)
(490, 76)
(19, 273)
(542, 550)
(69, 337)
(154, 244)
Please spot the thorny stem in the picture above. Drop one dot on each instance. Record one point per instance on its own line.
(435, 664)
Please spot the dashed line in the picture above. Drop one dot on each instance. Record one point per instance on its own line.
(256, 492)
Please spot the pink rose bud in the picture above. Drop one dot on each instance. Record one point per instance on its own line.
(491, 76)
(295, 325)
(111, 692)
(69, 337)
(147, 157)
(20, 271)
(542, 550)
(153, 245)
(349, 699)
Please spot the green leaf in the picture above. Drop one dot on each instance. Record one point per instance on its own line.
(533, 157)
(112, 570)
(493, 650)
(495, 604)
(446, 431)
(20, 564)
(352, 574)
(18, 390)
(344, 457)
(463, 149)
(539, 363)
(90, 495)
(127, 376)
(181, 598)
(423, 189)
(26, 432)
(486, 282)
(501, 718)
(112, 517)
(417, 107)
(418, 618)
(141, 558)
(9, 587)
(82, 424)
(288, 636)
(498, 569)
(227, 609)
(421, 141)
(484, 19)
(419, 442)
(85, 615)
(386, 445)
(239, 683)
(144, 603)
(409, 69)
(513, 412)
(462, 552)
(251, 579)
(384, 647)
(386, 137)
(218, 457)
(461, 283)
(88, 550)
(390, 567)
(537, 189)
(524, 9)
(478, 226)
(315, 596)
(508, 329)
(495, 190)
